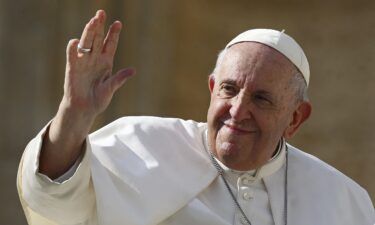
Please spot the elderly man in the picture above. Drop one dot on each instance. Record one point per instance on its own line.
(234, 169)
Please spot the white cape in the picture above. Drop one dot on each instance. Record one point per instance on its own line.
(146, 169)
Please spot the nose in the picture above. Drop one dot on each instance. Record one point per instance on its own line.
(239, 109)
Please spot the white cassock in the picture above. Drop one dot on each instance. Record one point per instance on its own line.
(156, 171)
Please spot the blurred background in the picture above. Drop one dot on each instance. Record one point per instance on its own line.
(174, 44)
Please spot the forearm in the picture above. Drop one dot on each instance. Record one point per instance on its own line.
(64, 141)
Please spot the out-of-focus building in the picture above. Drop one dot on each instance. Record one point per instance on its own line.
(173, 45)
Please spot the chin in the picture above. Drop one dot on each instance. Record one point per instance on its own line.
(228, 149)
(229, 154)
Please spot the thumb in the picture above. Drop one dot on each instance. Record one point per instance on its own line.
(117, 80)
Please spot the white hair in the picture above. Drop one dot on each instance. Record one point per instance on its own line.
(298, 82)
(219, 60)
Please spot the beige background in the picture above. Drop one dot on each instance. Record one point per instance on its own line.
(173, 44)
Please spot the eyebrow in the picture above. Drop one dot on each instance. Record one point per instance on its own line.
(229, 81)
(264, 92)
(233, 82)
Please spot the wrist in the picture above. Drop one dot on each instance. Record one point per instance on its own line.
(70, 124)
(73, 113)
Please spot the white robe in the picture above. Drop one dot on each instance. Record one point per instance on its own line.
(148, 171)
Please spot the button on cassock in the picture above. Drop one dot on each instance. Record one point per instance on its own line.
(245, 181)
(247, 196)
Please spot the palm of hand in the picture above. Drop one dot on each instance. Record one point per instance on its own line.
(89, 83)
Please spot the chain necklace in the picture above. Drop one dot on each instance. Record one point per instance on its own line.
(220, 171)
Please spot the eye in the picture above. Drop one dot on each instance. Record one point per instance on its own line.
(228, 90)
(262, 99)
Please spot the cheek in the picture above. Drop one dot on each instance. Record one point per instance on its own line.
(274, 125)
(215, 112)
(266, 121)
(218, 107)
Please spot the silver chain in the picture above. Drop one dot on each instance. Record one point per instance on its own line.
(286, 186)
(220, 171)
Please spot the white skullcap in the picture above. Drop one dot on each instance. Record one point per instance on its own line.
(279, 41)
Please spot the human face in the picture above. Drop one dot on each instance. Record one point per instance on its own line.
(252, 105)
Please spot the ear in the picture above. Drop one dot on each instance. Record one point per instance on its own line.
(300, 115)
(211, 83)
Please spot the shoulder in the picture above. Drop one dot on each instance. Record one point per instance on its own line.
(133, 145)
(321, 177)
(314, 166)
(149, 125)
(138, 132)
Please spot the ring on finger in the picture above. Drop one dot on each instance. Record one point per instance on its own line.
(83, 50)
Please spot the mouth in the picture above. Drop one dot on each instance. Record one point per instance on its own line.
(237, 129)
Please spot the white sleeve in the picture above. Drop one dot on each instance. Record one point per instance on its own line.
(71, 201)
(68, 174)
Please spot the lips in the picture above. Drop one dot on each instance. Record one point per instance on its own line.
(238, 128)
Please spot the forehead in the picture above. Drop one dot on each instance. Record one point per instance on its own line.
(251, 61)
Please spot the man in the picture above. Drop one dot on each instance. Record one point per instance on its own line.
(236, 169)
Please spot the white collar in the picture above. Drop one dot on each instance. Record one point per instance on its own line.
(273, 165)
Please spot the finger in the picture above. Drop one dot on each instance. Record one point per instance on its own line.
(99, 32)
(111, 40)
(88, 34)
(71, 50)
(117, 80)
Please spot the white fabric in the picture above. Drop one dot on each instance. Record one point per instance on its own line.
(250, 190)
(279, 41)
(147, 170)
(248, 186)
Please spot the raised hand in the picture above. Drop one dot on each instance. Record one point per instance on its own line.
(89, 83)
(88, 89)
